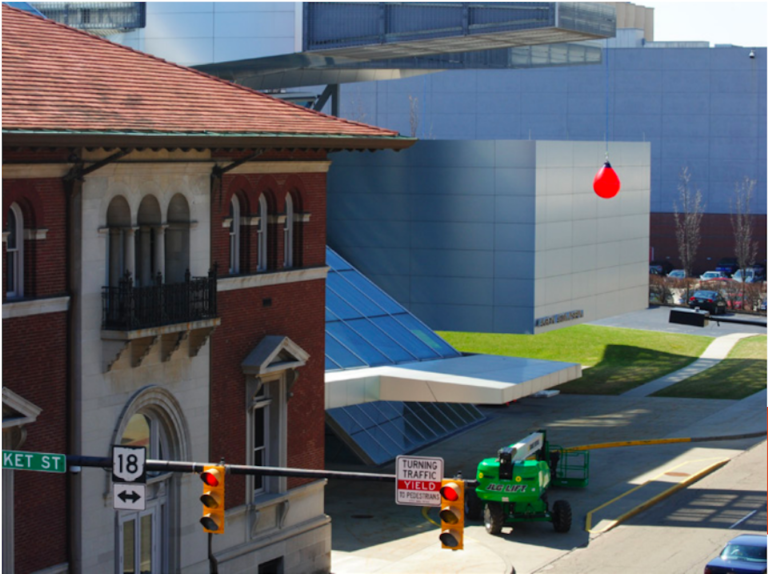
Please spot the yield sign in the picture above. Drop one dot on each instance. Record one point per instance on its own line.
(129, 496)
(419, 479)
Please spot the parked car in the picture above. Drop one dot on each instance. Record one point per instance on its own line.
(677, 274)
(660, 267)
(744, 554)
(728, 265)
(749, 275)
(710, 275)
(710, 301)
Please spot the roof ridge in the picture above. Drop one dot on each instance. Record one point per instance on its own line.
(192, 70)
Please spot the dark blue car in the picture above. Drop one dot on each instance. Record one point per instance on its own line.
(744, 554)
(728, 265)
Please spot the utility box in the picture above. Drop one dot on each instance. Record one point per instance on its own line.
(689, 317)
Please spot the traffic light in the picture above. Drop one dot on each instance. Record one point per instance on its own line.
(213, 499)
(452, 514)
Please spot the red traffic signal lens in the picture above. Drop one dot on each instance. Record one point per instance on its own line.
(209, 478)
(450, 492)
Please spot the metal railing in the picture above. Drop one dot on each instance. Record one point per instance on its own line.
(127, 307)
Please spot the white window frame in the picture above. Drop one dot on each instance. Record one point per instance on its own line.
(261, 234)
(234, 237)
(272, 400)
(288, 233)
(158, 514)
(15, 255)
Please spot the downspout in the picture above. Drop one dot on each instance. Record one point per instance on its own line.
(73, 188)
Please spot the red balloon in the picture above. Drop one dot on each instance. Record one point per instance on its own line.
(606, 183)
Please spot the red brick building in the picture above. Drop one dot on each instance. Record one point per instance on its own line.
(164, 273)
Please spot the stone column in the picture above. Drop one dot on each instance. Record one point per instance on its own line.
(160, 250)
(146, 256)
(130, 250)
(115, 256)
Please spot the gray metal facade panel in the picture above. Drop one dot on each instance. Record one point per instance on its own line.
(698, 107)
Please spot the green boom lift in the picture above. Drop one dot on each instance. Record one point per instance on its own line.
(512, 487)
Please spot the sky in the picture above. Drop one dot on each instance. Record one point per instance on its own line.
(739, 23)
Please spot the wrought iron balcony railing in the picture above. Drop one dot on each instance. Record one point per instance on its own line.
(126, 307)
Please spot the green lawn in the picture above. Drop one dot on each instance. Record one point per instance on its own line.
(741, 374)
(619, 359)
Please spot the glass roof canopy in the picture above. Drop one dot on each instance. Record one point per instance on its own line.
(365, 327)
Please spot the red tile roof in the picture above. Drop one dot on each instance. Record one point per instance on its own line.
(56, 78)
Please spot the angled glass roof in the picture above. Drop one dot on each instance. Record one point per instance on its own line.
(365, 327)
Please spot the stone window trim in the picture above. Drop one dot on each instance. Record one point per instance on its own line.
(31, 234)
(254, 220)
(272, 362)
(166, 408)
(37, 306)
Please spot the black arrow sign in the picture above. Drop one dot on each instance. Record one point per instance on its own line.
(133, 496)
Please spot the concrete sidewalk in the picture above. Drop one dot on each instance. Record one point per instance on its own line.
(712, 355)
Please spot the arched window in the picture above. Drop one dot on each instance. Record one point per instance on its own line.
(148, 240)
(288, 233)
(14, 248)
(177, 240)
(261, 234)
(120, 250)
(234, 236)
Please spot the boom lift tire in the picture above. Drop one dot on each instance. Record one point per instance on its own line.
(493, 517)
(473, 506)
(561, 516)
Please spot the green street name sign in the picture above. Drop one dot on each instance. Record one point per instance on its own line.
(39, 461)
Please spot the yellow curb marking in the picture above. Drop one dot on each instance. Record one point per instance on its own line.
(627, 515)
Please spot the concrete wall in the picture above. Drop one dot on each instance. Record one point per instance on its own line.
(486, 236)
(591, 253)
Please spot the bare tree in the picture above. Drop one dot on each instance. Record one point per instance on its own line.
(688, 221)
(745, 245)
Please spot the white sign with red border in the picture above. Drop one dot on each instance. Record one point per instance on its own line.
(419, 479)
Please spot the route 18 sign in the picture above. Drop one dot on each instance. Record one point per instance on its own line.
(418, 480)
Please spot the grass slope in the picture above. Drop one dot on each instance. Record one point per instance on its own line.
(739, 375)
(619, 359)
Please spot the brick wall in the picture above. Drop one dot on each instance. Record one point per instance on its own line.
(716, 239)
(43, 205)
(308, 191)
(297, 311)
(35, 367)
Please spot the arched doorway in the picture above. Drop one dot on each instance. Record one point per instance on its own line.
(147, 540)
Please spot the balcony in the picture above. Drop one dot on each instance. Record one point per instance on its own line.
(137, 320)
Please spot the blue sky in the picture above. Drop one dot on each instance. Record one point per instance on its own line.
(739, 23)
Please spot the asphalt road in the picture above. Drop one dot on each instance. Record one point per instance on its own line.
(682, 533)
